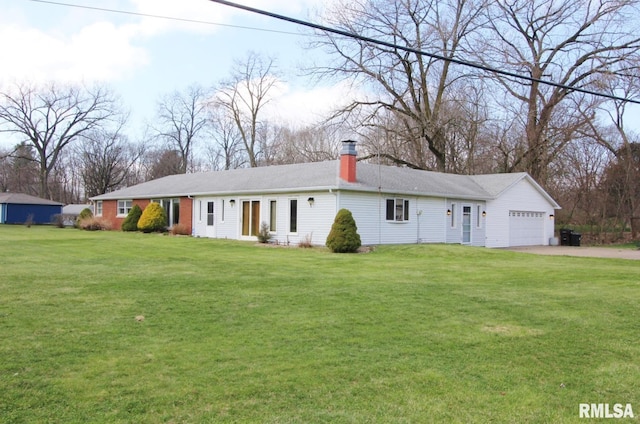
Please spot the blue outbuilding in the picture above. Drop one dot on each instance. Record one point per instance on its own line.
(19, 208)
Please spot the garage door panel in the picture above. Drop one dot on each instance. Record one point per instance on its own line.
(526, 228)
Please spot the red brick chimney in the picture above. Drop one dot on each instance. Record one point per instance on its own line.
(348, 161)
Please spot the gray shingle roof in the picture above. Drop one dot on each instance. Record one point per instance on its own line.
(25, 199)
(321, 176)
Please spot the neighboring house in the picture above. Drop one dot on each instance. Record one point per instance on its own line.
(70, 213)
(18, 208)
(391, 205)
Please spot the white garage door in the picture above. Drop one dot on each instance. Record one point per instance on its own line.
(526, 228)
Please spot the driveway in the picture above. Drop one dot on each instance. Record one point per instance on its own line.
(594, 252)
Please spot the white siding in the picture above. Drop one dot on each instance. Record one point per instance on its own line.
(427, 217)
(225, 222)
(522, 197)
(453, 229)
(313, 221)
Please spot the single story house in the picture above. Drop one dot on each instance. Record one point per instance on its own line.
(391, 205)
(19, 208)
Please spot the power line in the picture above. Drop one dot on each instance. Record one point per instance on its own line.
(170, 18)
(418, 52)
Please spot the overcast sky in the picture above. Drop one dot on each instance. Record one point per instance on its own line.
(142, 58)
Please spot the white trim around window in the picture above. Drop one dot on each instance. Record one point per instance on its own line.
(124, 206)
(397, 210)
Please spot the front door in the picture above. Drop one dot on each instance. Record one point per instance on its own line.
(466, 224)
(250, 218)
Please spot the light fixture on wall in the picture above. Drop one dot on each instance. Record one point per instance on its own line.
(484, 214)
(448, 212)
(311, 201)
(232, 202)
(550, 216)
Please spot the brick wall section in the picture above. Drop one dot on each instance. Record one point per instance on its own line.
(110, 212)
(186, 212)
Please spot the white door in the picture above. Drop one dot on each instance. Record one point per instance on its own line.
(208, 213)
(526, 228)
(466, 224)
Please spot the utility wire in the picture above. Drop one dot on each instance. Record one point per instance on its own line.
(170, 18)
(418, 52)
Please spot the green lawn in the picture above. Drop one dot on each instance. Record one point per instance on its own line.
(235, 332)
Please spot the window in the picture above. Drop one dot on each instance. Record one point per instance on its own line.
(99, 208)
(479, 216)
(210, 210)
(124, 206)
(397, 210)
(272, 215)
(222, 212)
(293, 215)
(453, 215)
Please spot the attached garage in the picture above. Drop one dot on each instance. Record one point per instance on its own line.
(526, 228)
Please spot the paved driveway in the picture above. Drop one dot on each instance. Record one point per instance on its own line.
(596, 252)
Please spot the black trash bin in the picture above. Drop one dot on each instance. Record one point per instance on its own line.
(575, 239)
(565, 237)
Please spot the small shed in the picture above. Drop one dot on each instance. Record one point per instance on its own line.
(20, 208)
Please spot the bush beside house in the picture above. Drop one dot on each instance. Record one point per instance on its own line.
(130, 223)
(344, 237)
(153, 219)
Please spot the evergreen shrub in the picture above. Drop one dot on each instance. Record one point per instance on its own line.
(153, 219)
(344, 237)
(85, 214)
(264, 235)
(130, 223)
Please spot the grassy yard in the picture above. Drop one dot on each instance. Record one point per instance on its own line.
(233, 332)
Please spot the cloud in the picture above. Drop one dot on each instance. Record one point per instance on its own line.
(104, 48)
(99, 51)
(300, 107)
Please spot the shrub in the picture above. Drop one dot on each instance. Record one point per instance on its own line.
(152, 219)
(180, 230)
(130, 223)
(85, 213)
(58, 220)
(306, 242)
(344, 237)
(264, 235)
(93, 224)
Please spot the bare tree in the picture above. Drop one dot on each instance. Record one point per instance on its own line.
(613, 134)
(182, 121)
(623, 184)
(19, 170)
(309, 144)
(223, 151)
(571, 43)
(52, 117)
(106, 159)
(245, 95)
(416, 88)
(163, 162)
